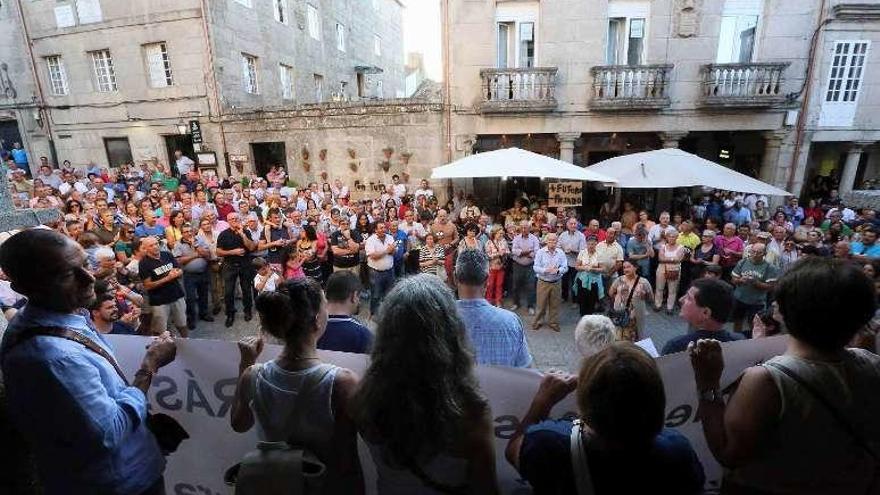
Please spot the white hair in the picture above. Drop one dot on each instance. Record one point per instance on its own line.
(671, 231)
(104, 253)
(594, 333)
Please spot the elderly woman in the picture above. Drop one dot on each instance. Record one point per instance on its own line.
(804, 422)
(419, 408)
(632, 293)
(587, 287)
(593, 333)
(621, 404)
(669, 258)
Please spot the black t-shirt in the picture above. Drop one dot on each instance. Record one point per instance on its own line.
(228, 241)
(339, 239)
(155, 269)
(276, 254)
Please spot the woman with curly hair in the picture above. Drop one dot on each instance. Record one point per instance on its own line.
(419, 408)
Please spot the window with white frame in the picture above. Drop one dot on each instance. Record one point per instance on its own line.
(377, 45)
(738, 31)
(280, 10)
(380, 90)
(314, 21)
(340, 37)
(158, 64)
(286, 76)
(319, 88)
(105, 76)
(57, 75)
(246, 3)
(845, 80)
(516, 32)
(249, 74)
(627, 30)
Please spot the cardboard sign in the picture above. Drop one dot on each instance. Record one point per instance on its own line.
(564, 193)
(198, 387)
(366, 189)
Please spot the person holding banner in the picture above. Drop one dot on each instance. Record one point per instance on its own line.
(623, 447)
(87, 425)
(804, 422)
(296, 398)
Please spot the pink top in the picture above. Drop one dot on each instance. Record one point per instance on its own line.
(734, 244)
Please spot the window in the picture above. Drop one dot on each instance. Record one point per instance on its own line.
(280, 9)
(57, 75)
(380, 91)
(625, 41)
(845, 80)
(249, 74)
(526, 44)
(159, 65)
(246, 3)
(516, 34)
(361, 85)
(319, 88)
(377, 45)
(314, 24)
(118, 151)
(736, 36)
(286, 76)
(105, 77)
(340, 37)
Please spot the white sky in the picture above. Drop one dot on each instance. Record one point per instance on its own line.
(421, 33)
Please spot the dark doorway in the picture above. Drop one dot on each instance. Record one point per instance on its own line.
(118, 151)
(9, 134)
(268, 155)
(182, 142)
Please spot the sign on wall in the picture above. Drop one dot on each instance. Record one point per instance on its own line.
(564, 193)
(195, 129)
(366, 189)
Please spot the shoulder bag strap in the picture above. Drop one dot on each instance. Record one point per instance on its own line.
(66, 333)
(632, 291)
(583, 480)
(835, 413)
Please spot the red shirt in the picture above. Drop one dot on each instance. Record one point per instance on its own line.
(223, 211)
(600, 234)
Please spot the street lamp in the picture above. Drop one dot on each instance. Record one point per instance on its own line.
(182, 127)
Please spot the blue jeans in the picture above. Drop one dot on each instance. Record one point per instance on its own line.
(399, 268)
(380, 284)
(197, 286)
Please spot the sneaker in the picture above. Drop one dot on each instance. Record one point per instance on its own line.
(531, 311)
(514, 307)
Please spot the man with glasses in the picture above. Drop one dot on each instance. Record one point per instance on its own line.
(193, 256)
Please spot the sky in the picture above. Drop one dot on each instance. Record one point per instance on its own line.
(421, 33)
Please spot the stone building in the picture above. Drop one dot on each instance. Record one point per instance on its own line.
(585, 80)
(121, 81)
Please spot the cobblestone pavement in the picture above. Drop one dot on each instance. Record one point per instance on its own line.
(550, 350)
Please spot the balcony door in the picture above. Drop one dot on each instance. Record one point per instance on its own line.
(737, 35)
(516, 45)
(626, 41)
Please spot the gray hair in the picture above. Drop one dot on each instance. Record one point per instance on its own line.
(472, 267)
(594, 333)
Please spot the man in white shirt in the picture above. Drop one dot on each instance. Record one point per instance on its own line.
(470, 213)
(571, 242)
(380, 249)
(70, 184)
(414, 230)
(48, 177)
(846, 214)
(184, 164)
(398, 189)
(423, 190)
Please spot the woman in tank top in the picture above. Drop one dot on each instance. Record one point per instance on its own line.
(296, 397)
(419, 408)
(805, 422)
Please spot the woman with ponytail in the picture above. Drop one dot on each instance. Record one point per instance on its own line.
(296, 397)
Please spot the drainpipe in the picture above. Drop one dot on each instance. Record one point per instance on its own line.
(39, 86)
(212, 79)
(806, 90)
(447, 84)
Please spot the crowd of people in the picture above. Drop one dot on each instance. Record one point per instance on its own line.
(142, 250)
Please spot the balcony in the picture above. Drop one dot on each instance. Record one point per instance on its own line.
(518, 90)
(630, 87)
(754, 85)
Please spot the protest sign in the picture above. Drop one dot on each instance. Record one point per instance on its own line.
(366, 189)
(564, 194)
(198, 387)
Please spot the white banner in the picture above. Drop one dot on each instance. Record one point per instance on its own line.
(198, 387)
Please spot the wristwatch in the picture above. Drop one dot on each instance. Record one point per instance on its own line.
(711, 395)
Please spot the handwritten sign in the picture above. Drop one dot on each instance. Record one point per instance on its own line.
(366, 189)
(564, 194)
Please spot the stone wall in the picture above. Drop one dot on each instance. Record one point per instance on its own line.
(368, 131)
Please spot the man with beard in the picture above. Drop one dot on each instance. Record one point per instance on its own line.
(344, 333)
(87, 426)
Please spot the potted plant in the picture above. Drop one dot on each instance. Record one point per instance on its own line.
(388, 152)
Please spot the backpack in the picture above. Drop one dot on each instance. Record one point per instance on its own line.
(280, 468)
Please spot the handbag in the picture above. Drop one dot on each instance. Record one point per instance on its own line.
(583, 480)
(847, 426)
(167, 430)
(671, 275)
(280, 468)
(623, 320)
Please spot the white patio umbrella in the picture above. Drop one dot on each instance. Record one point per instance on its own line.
(672, 167)
(515, 162)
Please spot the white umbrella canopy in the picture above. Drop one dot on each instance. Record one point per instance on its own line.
(515, 162)
(672, 167)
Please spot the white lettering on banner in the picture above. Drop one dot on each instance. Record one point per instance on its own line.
(564, 194)
(198, 387)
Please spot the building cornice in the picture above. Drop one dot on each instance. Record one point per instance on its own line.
(856, 12)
